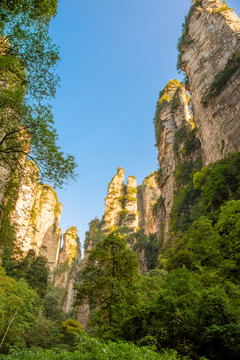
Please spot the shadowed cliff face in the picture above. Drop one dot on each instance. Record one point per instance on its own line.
(151, 210)
(211, 60)
(68, 266)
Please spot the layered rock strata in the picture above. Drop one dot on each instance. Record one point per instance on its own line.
(210, 57)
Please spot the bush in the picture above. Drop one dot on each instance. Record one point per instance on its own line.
(223, 76)
(94, 349)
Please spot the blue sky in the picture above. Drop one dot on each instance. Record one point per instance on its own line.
(115, 58)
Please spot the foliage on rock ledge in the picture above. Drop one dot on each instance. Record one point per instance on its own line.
(222, 77)
(164, 98)
(184, 41)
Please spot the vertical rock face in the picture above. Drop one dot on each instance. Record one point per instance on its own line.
(210, 57)
(93, 236)
(121, 203)
(68, 266)
(172, 114)
(21, 216)
(71, 248)
(151, 208)
(129, 214)
(35, 217)
(43, 227)
(4, 179)
(113, 201)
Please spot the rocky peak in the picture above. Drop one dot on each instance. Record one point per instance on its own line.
(71, 249)
(113, 201)
(172, 114)
(210, 57)
(211, 4)
(149, 198)
(121, 203)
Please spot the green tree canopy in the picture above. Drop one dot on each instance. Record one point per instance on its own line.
(28, 60)
(19, 306)
(108, 280)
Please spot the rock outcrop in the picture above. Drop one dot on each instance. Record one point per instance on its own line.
(30, 225)
(35, 218)
(172, 118)
(121, 204)
(93, 236)
(68, 267)
(5, 175)
(128, 217)
(210, 57)
(113, 201)
(150, 205)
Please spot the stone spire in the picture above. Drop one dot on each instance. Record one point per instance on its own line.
(35, 217)
(129, 213)
(113, 201)
(121, 204)
(172, 116)
(68, 266)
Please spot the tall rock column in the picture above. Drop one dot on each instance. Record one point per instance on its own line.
(150, 205)
(210, 57)
(68, 266)
(113, 201)
(172, 117)
(33, 212)
(129, 215)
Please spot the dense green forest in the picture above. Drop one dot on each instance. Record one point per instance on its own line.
(187, 306)
(189, 303)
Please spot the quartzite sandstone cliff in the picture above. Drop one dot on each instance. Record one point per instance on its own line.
(35, 217)
(211, 60)
(172, 114)
(68, 267)
(121, 204)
